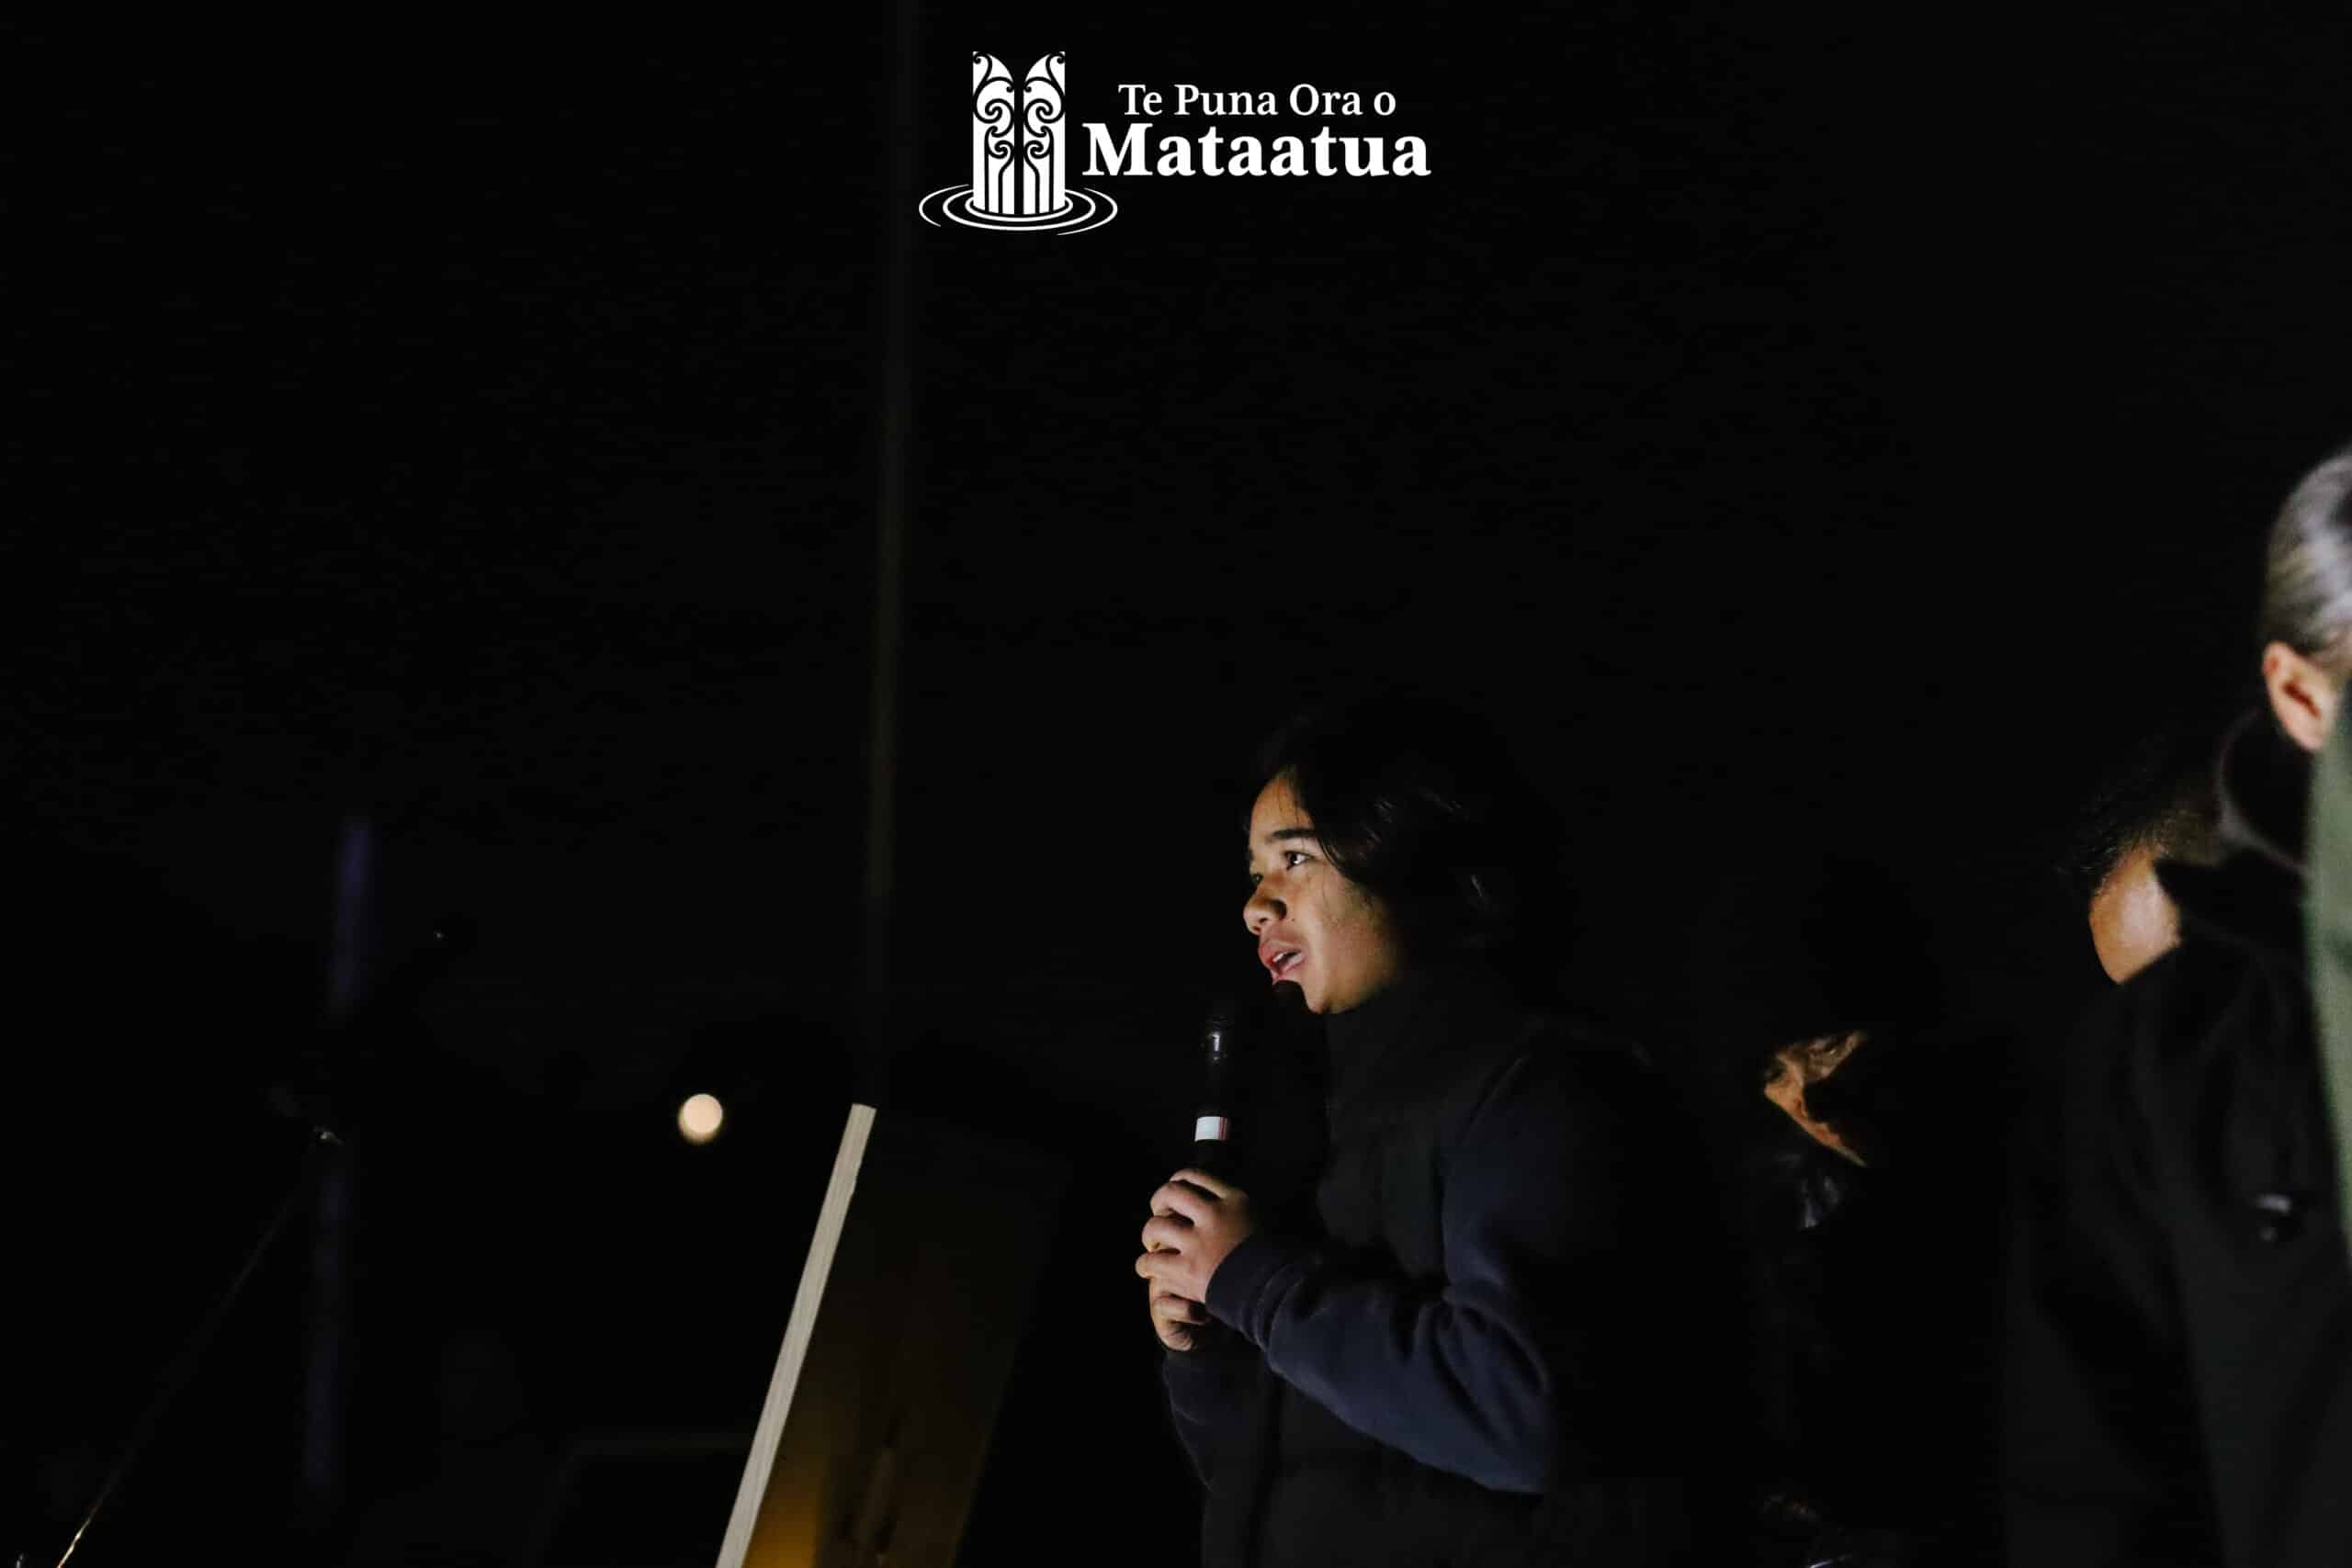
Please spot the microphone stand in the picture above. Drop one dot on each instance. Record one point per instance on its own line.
(183, 1367)
(347, 1017)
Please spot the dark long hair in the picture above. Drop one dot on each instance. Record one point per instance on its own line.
(1419, 802)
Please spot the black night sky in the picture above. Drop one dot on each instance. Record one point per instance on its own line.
(1807, 433)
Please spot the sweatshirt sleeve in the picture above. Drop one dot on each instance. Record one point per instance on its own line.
(1214, 1396)
(1492, 1371)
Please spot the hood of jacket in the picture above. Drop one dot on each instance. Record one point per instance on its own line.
(2253, 898)
(1400, 1046)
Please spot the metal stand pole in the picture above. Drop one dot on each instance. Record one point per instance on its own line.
(176, 1378)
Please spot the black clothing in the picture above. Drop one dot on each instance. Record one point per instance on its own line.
(2181, 1333)
(1879, 1310)
(1482, 1355)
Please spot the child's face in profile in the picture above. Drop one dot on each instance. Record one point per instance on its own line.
(1314, 928)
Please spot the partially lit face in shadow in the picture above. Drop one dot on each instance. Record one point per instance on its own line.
(2134, 921)
(1314, 928)
(1808, 1062)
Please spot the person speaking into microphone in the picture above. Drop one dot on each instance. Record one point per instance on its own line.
(1481, 1347)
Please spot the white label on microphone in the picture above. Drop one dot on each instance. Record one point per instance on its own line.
(1208, 1127)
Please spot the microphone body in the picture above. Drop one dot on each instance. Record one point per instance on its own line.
(1213, 1121)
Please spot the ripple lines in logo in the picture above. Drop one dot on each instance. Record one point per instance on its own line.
(1018, 159)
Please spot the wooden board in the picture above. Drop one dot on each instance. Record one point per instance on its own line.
(895, 1358)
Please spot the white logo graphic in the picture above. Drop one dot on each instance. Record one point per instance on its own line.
(1017, 158)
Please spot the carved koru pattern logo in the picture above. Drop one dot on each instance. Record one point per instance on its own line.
(1017, 157)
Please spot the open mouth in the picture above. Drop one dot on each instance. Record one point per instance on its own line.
(1280, 965)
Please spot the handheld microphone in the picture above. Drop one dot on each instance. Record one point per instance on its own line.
(1213, 1123)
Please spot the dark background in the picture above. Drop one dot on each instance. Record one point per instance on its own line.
(1808, 433)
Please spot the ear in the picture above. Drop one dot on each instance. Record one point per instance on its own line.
(2302, 693)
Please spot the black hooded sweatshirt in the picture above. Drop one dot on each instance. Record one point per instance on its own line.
(1483, 1351)
(2180, 1377)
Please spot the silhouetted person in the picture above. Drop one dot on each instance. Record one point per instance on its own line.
(1868, 1164)
(2181, 1328)
(487, 1475)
